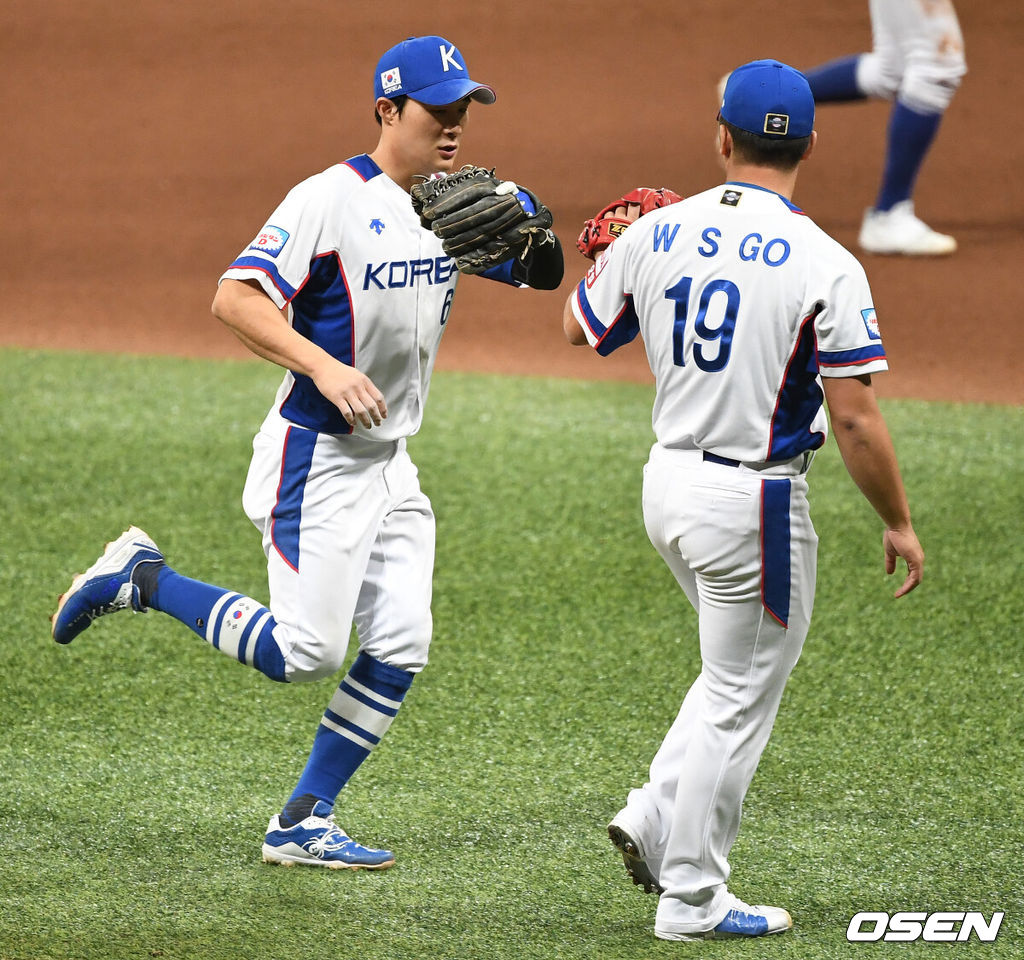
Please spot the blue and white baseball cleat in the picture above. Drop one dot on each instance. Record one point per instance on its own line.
(319, 842)
(741, 921)
(106, 586)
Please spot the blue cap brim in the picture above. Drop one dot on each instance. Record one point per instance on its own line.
(451, 91)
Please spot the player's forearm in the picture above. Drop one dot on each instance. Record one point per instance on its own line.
(570, 325)
(866, 447)
(255, 319)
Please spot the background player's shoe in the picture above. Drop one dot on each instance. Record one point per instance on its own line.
(899, 231)
(106, 586)
(319, 842)
(627, 841)
(742, 920)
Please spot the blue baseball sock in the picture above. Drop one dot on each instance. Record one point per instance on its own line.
(358, 715)
(909, 138)
(835, 81)
(236, 625)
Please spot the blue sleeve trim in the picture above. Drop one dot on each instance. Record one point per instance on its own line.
(620, 331)
(260, 263)
(850, 358)
(596, 327)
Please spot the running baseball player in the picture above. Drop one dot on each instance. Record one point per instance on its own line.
(347, 290)
(917, 62)
(751, 317)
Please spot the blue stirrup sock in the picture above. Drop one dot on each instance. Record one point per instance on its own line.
(359, 714)
(910, 136)
(230, 622)
(835, 81)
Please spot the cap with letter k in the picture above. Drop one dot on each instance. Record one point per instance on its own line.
(430, 70)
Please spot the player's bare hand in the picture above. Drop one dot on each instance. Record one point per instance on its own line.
(903, 543)
(630, 212)
(353, 393)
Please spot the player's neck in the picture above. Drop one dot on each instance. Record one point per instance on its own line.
(778, 181)
(392, 167)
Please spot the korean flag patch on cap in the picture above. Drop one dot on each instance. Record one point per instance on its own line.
(871, 323)
(391, 80)
(270, 240)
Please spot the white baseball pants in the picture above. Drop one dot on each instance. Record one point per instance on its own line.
(917, 54)
(741, 545)
(349, 537)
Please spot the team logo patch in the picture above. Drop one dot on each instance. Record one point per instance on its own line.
(731, 197)
(871, 323)
(391, 80)
(776, 123)
(270, 240)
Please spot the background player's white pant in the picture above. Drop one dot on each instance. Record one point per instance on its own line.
(705, 520)
(918, 54)
(348, 513)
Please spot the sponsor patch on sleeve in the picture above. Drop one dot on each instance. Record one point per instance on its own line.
(871, 323)
(270, 240)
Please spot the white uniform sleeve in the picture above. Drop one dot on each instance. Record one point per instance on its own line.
(603, 302)
(280, 255)
(849, 342)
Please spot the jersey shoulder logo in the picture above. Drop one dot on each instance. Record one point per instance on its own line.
(731, 197)
(377, 225)
(270, 240)
(871, 323)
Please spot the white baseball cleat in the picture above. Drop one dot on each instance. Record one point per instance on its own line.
(741, 921)
(899, 231)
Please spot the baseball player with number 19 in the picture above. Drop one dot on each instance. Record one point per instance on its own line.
(751, 317)
(366, 292)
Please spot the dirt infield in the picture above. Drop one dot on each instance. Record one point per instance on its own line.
(147, 142)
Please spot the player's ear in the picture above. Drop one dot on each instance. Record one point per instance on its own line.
(386, 110)
(724, 142)
(811, 145)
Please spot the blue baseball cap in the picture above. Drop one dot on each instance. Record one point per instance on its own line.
(430, 70)
(769, 99)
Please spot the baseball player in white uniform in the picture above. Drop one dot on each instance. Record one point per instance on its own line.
(917, 62)
(347, 291)
(751, 316)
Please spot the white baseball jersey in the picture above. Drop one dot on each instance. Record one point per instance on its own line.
(743, 304)
(345, 253)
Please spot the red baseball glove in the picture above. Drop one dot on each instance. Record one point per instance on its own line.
(602, 229)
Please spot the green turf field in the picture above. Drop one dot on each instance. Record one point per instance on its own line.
(139, 768)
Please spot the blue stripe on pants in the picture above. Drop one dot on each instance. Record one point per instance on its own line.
(287, 513)
(775, 555)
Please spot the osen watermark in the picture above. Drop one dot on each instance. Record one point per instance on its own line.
(944, 926)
